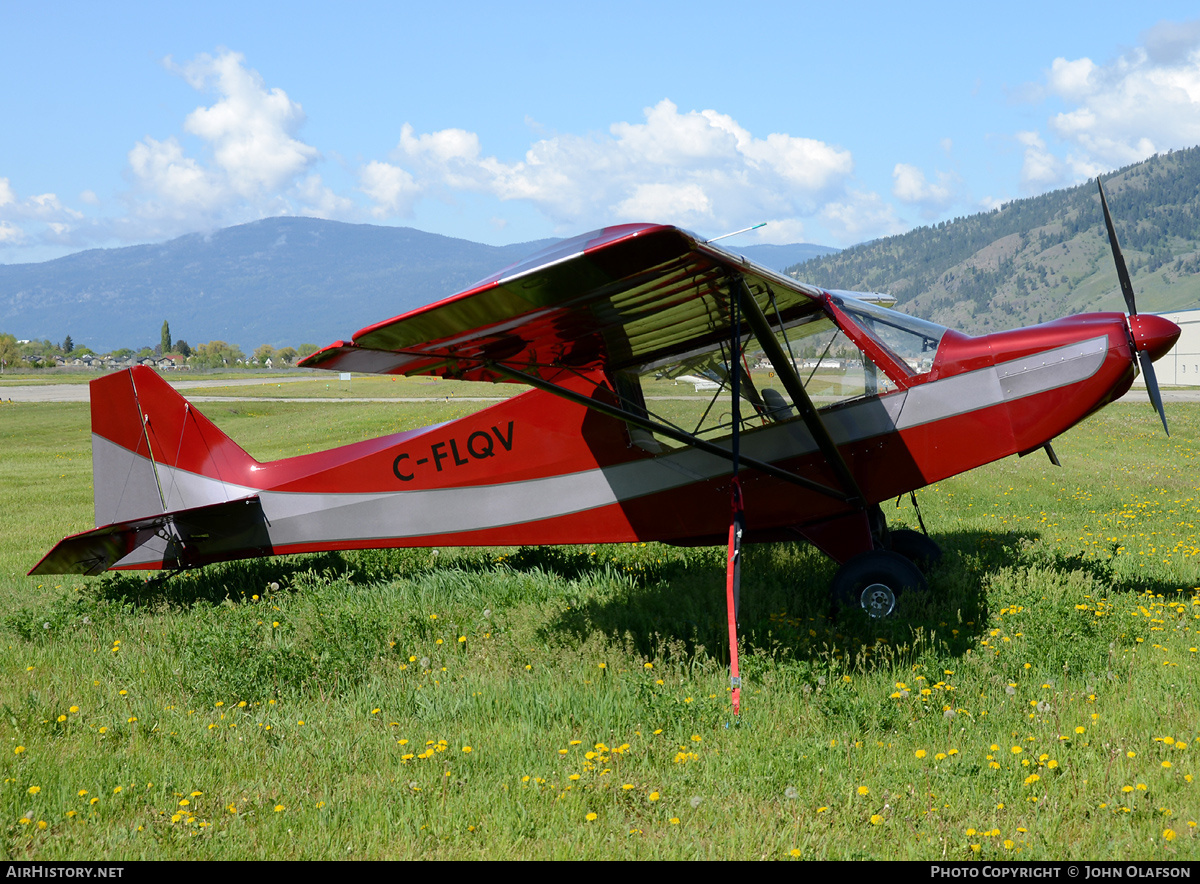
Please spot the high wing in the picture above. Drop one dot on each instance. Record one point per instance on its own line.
(626, 297)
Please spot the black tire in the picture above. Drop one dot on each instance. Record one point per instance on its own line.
(874, 581)
(916, 547)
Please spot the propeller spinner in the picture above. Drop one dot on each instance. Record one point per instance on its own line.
(1152, 336)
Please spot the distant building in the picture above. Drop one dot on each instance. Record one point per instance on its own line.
(1181, 367)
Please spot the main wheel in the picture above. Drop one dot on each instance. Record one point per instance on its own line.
(874, 581)
(918, 548)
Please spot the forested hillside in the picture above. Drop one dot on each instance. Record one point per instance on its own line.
(1039, 258)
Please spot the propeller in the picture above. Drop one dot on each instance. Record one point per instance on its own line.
(1148, 333)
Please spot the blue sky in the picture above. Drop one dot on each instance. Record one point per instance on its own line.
(128, 123)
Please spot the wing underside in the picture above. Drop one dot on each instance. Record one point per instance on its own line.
(625, 298)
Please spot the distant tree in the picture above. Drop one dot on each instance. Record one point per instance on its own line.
(263, 353)
(68, 345)
(121, 353)
(166, 338)
(287, 354)
(216, 354)
(183, 349)
(10, 352)
(307, 350)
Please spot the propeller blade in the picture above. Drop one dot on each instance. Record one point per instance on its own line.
(1122, 271)
(1144, 358)
(1152, 386)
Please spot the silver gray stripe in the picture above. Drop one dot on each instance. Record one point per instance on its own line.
(298, 517)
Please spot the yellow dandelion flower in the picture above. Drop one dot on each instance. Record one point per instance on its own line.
(1168, 834)
(876, 819)
(18, 750)
(654, 796)
(920, 753)
(591, 817)
(33, 790)
(279, 808)
(863, 790)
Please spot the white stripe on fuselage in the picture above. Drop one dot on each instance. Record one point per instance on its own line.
(300, 517)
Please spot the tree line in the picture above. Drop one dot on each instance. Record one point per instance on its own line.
(33, 354)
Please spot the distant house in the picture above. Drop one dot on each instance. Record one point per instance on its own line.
(1181, 366)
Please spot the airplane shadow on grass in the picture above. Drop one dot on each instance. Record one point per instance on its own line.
(673, 606)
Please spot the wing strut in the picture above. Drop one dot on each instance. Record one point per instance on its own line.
(791, 382)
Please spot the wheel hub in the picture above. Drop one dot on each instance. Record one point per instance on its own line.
(878, 600)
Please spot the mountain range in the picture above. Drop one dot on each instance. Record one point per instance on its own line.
(279, 281)
(1037, 259)
(287, 281)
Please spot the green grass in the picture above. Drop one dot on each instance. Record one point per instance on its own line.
(321, 706)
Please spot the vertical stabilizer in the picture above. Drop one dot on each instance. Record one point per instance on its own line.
(152, 452)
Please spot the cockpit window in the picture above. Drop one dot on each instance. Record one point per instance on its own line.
(912, 341)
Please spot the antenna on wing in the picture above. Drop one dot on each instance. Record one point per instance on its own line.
(735, 233)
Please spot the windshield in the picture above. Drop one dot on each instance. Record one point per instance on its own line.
(911, 340)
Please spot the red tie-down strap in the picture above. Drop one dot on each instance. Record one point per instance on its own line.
(733, 584)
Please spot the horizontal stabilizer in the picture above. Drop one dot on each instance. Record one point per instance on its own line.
(229, 530)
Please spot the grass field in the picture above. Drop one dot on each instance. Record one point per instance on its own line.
(572, 702)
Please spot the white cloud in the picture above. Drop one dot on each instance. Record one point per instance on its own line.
(172, 178)
(688, 202)
(250, 129)
(861, 215)
(1040, 170)
(780, 231)
(11, 234)
(391, 188)
(27, 220)
(313, 198)
(1144, 102)
(696, 168)
(911, 186)
(253, 164)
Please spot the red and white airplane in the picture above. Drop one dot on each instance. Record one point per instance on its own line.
(785, 451)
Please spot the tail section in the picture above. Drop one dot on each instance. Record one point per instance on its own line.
(171, 489)
(153, 453)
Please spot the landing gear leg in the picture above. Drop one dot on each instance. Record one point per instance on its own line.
(875, 580)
